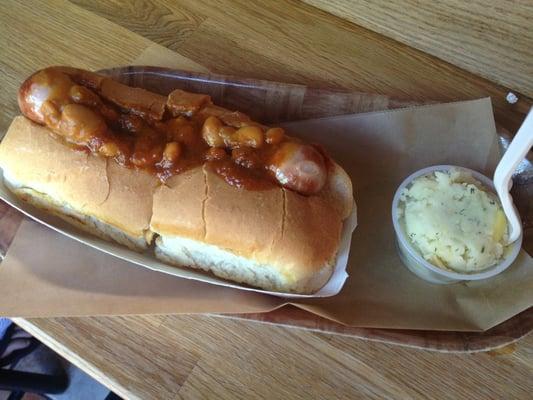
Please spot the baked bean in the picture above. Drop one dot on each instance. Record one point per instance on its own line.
(274, 135)
(109, 149)
(249, 136)
(210, 132)
(80, 123)
(178, 130)
(227, 134)
(236, 119)
(172, 151)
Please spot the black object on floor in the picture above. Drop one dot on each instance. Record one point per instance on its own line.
(16, 396)
(113, 396)
(32, 382)
(19, 382)
(44, 361)
(12, 358)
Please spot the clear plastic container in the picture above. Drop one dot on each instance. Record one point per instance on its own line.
(412, 259)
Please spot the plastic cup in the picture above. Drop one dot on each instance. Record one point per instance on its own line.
(414, 261)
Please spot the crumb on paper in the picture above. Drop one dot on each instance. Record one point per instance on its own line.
(511, 98)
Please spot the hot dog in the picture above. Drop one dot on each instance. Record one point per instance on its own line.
(220, 191)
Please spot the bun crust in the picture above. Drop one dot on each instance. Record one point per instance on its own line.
(293, 237)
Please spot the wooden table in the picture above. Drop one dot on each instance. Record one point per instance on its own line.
(164, 357)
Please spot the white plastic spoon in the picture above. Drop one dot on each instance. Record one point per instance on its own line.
(517, 150)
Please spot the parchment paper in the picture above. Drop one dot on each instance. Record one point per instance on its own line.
(379, 150)
(46, 274)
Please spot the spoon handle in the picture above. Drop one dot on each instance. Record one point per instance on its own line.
(517, 150)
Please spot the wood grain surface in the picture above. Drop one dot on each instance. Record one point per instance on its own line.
(190, 357)
(492, 38)
(280, 41)
(200, 356)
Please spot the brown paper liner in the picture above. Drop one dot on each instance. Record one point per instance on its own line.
(46, 274)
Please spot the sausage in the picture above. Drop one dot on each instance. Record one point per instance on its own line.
(51, 97)
(70, 102)
(43, 86)
(53, 83)
(137, 101)
(76, 104)
(299, 167)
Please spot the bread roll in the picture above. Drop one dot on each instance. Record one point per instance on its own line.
(94, 193)
(274, 239)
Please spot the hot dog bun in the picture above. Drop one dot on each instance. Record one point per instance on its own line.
(275, 239)
(92, 192)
